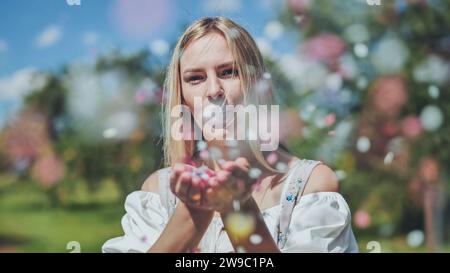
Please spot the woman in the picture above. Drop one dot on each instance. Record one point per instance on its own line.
(293, 207)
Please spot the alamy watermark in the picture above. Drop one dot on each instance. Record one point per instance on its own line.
(373, 2)
(73, 2)
(227, 122)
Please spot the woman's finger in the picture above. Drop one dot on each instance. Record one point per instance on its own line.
(182, 187)
(173, 182)
(195, 191)
(228, 166)
(242, 161)
(222, 176)
(179, 168)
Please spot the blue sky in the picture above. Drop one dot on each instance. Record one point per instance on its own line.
(48, 33)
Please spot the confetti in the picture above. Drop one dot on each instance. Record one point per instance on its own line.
(202, 145)
(356, 33)
(254, 173)
(159, 47)
(361, 50)
(282, 167)
(236, 205)
(341, 175)
(110, 133)
(203, 173)
(362, 219)
(215, 153)
(362, 83)
(363, 144)
(433, 91)
(188, 160)
(273, 30)
(415, 238)
(204, 155)
(272, 158)
(255, 239)
(240, 225)
(208, 113)
(240, 249)
(388, 158)
(262, 87)
(196, 197)
(431, 118)
(330, 119)
(232, 143)
(233, 153)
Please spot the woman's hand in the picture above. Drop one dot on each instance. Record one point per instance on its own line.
(204, 188)
(231, 183)
(181, 181)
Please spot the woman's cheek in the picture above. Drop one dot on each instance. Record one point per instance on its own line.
(235, 94)
(189, 95)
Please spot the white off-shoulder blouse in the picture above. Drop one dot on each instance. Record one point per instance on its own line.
(315, 222)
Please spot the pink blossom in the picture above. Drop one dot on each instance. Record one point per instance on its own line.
(299, 6)
(429, 170)
(412, 127)
(389, 129)
(362, 219)
(139, 18)
(389, 95)
(330, 119)
(48, 170)
(324, 47)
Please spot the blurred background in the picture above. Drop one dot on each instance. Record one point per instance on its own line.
(364, 86)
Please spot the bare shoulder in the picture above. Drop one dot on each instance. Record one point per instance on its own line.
(322, 179)
(151, 183)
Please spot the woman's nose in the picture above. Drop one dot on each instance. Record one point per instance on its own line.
(215, 90)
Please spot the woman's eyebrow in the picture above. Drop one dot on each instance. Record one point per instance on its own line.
(194, 69)
(187, 70)
(226, 64)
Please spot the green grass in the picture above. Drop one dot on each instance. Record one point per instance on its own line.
(28, 222)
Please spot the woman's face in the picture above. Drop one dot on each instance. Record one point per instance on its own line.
(207, 73)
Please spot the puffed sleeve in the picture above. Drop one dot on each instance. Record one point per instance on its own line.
(142, 224)
(321, 222)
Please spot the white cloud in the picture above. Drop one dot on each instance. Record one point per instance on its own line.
(159, 47)
(13, 88)
(273, 30)
(264, 46)
(223, 6)
(49, 36)
(90, 38)
(22, 82)
(92, 99)
(3, 46)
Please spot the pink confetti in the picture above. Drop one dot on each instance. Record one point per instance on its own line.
(188, 160)
(362, 219)
(272, 158)
(330, 119)
(204, 155)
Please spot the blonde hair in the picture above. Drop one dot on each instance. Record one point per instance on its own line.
(248, 61)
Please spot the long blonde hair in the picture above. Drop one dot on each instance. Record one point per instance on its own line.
(249, 63)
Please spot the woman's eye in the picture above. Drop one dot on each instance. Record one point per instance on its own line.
(195, 79)
(229, 73)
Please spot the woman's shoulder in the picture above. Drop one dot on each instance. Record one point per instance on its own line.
(321, 179)
(151, 183)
